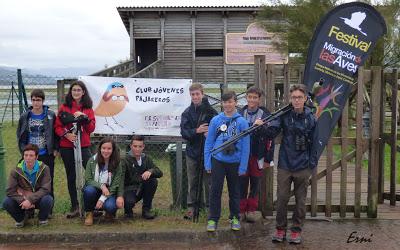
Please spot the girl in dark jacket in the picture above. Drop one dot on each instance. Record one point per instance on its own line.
(77, 104)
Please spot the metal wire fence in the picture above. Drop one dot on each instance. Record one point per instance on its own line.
(168, 153)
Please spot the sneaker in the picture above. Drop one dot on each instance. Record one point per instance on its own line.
(295, 237)
(279, 236)
(43, 222)
(211, 226)
(97, 213)
(19, 224)
(235, 224)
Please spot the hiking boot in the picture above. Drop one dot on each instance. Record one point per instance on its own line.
(211, 226)
(188, 215)
(89, 219)
(20, 224)
(74, 212)
(148, 215)
(295, 237)
(279, 236)
(43, 223)
(235, 224)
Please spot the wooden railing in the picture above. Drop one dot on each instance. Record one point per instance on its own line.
(151, 71)
(124, 69)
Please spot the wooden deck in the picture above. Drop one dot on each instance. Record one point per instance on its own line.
(385, 211)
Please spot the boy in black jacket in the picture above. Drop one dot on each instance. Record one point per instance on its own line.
(194, 128)
(138, 180)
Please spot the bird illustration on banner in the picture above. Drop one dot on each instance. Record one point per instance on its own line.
(112, 103)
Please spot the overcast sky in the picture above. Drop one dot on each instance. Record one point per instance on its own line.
(72, 33)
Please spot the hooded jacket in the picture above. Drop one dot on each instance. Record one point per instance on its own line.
(52, 140)
(293, 124)
(19, 188)
(216, 136)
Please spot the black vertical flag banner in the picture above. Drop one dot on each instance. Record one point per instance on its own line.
(340, 45)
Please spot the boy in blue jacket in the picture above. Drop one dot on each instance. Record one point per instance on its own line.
(230, 162)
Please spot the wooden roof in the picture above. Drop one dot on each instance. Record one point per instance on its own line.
(126, 12)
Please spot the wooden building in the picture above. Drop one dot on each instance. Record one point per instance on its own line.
(187, 42)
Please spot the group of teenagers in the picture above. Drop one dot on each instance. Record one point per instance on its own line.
(112, 182)
(243, 162)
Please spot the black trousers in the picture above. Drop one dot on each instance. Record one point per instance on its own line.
(218, 172)
(67, 155)
(145, 192)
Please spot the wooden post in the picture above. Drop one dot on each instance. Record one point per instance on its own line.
(343, 169)
(373, 168)
(60, 93)
(301, 74)
(260, 82)
(328, 199)
(393, 140)
(162, 45)
(381, 184)
(359, 142)
(132, 43)
(286, 83)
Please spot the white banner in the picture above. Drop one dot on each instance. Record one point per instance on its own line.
(142, 106)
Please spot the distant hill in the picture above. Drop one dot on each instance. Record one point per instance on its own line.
(46, 76)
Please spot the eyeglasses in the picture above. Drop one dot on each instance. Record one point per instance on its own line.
(297, 98)
(76, 90)
(37, 100)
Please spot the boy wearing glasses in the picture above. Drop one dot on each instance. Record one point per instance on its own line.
(298, 127)
(36, 126)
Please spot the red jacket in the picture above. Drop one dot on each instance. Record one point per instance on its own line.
(88, 128)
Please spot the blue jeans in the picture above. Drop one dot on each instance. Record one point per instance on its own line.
(92, 194)
(45, 204)
(218, 172)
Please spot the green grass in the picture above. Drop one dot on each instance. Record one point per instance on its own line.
(337, 154)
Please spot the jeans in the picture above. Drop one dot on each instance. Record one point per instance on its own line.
(49, 161)
(45, 204)
(92, 194)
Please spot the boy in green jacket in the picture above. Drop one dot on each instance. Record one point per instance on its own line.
(138, 180)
